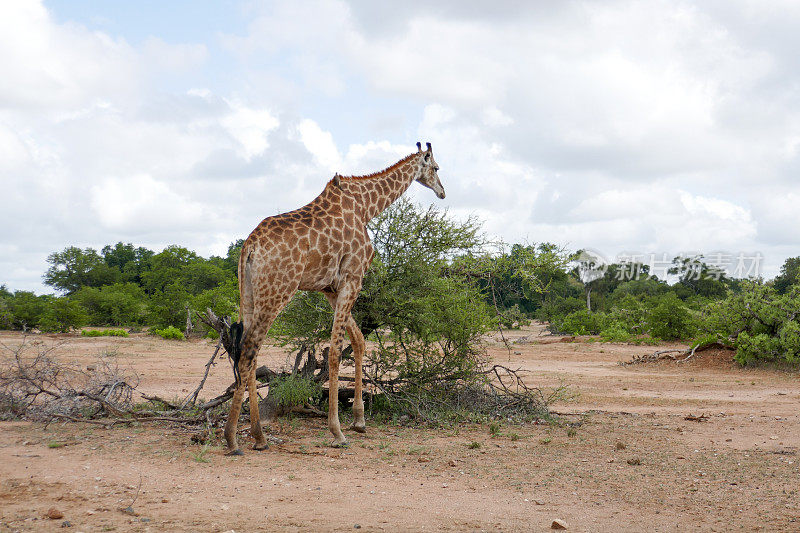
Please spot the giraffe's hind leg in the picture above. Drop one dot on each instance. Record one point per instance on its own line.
(255, 418)
(267, 303)
(233, 419)
(357, 341)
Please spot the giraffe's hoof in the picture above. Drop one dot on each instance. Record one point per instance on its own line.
(261, 447)
(337, 444)
(359, 428)
(237, 451)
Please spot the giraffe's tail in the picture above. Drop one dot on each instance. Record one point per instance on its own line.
(236, 333)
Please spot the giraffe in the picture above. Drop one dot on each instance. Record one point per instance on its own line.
(323, 246)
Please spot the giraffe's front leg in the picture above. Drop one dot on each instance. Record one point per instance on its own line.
(342, 303)
(339, 440)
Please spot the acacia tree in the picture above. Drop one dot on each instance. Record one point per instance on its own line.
(406, 285)
(424, 313)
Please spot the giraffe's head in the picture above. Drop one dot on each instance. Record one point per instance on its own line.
(426, 173)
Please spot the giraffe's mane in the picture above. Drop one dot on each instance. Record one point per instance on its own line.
(381, 172)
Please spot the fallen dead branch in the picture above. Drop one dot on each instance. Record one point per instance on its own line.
(693, 418)
(37, 385)
(662, 355)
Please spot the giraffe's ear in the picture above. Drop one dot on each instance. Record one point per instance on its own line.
(419, 146)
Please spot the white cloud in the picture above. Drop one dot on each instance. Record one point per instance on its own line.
(321, 145)
(46, 65)
(249, 127)
(666, 126)
(140, 204)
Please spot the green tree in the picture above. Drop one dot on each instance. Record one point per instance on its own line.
(26, 309)
(74, 268)
(762, 324)
(166, 267)
(231, 260)
(168, 306)
(6, 316)
(121, 304)
(669, 319)
(425, 319)
(697, 278)
(789, 276)
(62, 314)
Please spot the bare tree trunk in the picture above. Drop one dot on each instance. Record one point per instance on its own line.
(188, 321)
(589, 298)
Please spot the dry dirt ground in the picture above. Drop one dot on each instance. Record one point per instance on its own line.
(623, 459)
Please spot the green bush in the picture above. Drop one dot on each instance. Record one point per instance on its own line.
(513, 318)
(582, 322)
(629, 313)
(170, 333)
(168, 306)
(294, 390)
(104, 333)
(615, 332)
(669, 319)
(26, 309)
(554, 309)
(114, 305)
(61, 315)
(761, 324)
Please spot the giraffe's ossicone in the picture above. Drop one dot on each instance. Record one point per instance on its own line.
(323, 246)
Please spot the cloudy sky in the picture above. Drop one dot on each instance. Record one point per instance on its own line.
(647, 127)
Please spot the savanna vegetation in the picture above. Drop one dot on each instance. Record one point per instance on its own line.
(436, 285)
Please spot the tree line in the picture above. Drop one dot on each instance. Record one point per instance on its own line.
(435, 286)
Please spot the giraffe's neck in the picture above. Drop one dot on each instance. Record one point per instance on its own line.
(373, 194)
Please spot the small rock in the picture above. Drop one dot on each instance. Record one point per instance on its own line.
(164, 500)
(538, 502)
(129, 510)
(634, 461)
(66, 523)
(357, 526)
(54, 514)
(423, 459)
(452, 462)
(558, 524)
(620, 445)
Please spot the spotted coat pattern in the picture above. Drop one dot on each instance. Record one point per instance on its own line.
(322, 246)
